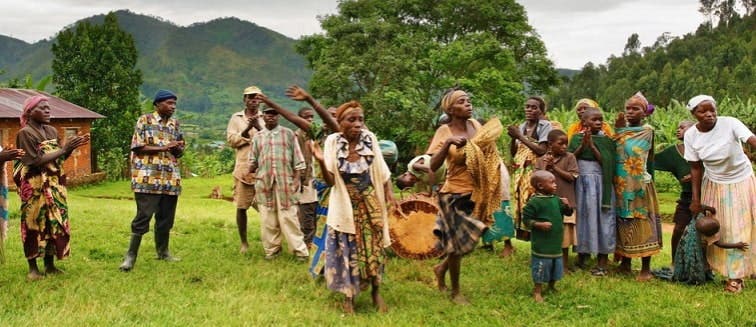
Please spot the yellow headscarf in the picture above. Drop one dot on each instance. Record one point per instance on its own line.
(450, 98)
(589, 102)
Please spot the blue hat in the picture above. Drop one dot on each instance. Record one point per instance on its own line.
(163, 95)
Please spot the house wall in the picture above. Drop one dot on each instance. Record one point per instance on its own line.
(77, 165)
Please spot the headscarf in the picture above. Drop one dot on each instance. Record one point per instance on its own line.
(29, 104)
(649, 108)
(590, 102)
(450, 98)
(698, 99)
(347, 108)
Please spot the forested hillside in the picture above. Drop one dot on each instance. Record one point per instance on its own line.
(716, 60)
(207, 64)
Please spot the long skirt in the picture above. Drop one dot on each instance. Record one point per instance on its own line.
(353, 260)
(456, 228)
(503, 226)
(641, 237)
(736, 213)
(596, 226)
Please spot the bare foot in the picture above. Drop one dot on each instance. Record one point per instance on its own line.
(243, 248)
(379, 304)
(644, 276)
(459, 299)
(538, 297)
(348, 306)
(624, 270)
(34, 276)
(440, 273)
(507, 251)
(53, 271)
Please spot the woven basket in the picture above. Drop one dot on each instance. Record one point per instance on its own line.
(411, 228)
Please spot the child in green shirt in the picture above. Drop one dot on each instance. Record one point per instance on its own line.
(544, 214)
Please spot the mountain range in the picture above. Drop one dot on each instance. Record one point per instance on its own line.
(207, 64)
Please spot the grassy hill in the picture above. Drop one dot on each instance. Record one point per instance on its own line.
(213, 285)
(207, 64)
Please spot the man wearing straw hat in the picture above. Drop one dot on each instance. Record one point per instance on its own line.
(241, 128)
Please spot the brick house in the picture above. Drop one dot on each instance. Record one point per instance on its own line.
(68, 118)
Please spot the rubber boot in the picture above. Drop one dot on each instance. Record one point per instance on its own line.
(131, 254)
(161, 246)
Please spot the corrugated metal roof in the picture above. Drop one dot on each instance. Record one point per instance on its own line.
(12, 105)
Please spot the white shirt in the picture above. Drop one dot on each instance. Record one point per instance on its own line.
(720, 150)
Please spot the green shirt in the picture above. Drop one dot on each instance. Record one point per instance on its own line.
(540, 207)
(671, 160)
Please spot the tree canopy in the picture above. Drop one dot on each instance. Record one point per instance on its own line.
(95, 67)
(718, 61)
(397, 57)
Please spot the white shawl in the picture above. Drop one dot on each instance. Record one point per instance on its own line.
(340, 216)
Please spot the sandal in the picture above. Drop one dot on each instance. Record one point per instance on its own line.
(600, 272)
(734, 286)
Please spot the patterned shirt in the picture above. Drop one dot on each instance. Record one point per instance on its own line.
(277, 155)
(155, 173)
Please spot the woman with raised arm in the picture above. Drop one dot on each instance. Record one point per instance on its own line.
(357, 220)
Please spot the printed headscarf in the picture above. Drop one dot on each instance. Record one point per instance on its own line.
(29, 104)
(648, 106)
(449, 99)
(590, 102)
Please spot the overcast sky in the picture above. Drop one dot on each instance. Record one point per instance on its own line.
(574, 31)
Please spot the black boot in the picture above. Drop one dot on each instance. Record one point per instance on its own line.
(131, 254)
(161, 246)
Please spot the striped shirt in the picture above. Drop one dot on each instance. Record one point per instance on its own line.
(277, 155)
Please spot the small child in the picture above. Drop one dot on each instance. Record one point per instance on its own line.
(690, 264)
(565, 168)
(596, 223)
(708, 227)
(543, 214)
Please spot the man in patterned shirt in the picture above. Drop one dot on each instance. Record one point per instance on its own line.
(155, 177)
(277, 162)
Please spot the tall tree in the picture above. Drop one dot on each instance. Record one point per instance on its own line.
(94, 66)
(707, 9)
(397, 56)
(633, 44)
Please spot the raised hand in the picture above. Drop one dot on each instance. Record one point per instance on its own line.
(297, 93)
(514, 131)
(76, 142)
(620, 121)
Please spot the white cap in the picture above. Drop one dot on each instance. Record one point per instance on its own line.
(696, 100)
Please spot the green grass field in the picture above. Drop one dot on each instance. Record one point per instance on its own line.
(215, 286)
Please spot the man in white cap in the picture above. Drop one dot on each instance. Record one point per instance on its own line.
(241, 127)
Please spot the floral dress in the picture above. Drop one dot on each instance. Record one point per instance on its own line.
(352, 260)
(638, 223)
